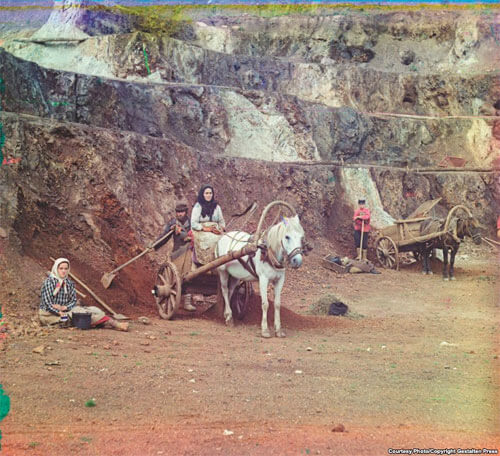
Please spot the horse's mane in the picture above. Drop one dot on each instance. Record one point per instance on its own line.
(277, 232)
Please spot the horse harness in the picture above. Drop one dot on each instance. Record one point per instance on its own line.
(267, 256)
(270, 256)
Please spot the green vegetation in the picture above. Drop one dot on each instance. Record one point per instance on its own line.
(170, 19)
(4, 408)
(90, 403)
(159, 20)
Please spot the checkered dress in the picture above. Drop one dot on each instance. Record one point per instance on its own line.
(63, 299)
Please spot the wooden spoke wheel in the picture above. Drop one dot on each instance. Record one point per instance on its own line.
(387, 253)
(240, 299)
(168, 290)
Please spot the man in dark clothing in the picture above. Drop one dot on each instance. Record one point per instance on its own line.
(181, 232)
(180, 225)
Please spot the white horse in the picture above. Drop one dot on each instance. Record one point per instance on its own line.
(281, 244)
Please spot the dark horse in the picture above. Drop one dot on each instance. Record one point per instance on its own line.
(458, 228)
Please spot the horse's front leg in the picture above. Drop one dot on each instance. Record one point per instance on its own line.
(445, 263)
(263, 282)
(452, 263)
(277, 306)
(224, 280)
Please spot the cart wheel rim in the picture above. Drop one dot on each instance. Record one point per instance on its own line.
(240, 299)
(387, 253)
(169, 276)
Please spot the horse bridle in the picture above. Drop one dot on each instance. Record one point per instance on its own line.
(296, 251)
(477, 235)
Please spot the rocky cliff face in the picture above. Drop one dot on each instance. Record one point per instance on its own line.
(309, 85)
(259, 107)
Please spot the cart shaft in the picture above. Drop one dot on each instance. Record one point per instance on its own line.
(247, 250)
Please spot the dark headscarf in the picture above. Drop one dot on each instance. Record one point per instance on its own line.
(207, 207)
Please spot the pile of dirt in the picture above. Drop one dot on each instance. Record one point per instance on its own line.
(289, 318)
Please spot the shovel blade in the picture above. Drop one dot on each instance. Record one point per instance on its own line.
(106, 279)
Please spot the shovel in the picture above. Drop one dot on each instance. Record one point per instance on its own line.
(108, 277)
(116, 316)
(361, 242)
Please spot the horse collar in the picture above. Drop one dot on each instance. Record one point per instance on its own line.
(270, 257)
(274, 260)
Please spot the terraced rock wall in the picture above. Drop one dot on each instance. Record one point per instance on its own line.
(112, 131)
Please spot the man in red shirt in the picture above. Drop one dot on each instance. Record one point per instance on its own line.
(361, 220)
(498, 227)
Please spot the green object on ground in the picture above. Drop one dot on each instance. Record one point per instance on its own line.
(146, 58)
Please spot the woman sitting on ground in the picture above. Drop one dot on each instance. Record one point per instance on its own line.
(58, 300)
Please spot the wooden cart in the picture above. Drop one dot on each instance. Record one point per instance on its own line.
(404, 235)
(176, 276)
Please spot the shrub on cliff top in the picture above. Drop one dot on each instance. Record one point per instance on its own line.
(159, 20)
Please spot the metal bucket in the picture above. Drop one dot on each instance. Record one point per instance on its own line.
(81, 320)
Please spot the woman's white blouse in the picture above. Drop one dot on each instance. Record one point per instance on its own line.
(196, 217)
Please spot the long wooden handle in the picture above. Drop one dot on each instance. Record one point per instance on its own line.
(79, 293)
(361, 242)
(142, 253)
(99, 300)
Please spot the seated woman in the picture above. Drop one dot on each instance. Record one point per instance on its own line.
(58, 299)
(206, 209)
(207, 223)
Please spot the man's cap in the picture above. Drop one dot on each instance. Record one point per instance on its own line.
(181, 207)
(361, 201)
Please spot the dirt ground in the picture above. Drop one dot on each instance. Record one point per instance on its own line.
(414, 364)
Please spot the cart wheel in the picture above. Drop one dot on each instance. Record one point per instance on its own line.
(168, 290)
(240, 299)
(387, 253)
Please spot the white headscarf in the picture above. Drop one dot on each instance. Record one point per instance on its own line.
(61, 283)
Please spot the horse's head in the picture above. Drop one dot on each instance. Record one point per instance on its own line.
(292, 240)
(470, 226)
